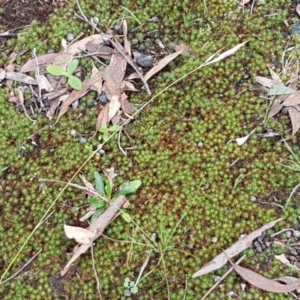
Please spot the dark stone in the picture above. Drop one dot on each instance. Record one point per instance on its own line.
(296, 29)
(103, 99)
(145, 61)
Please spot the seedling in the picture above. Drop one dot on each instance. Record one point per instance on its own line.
(130, 286)
(106, 131)
(105, 189)
(73, 81)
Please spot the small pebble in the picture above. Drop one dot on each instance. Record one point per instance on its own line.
(73, 133)
(142, 48)
(243, 286)
(217, 278)
(130, 165)
(70, 37)
(106, 41)
(127, 293)
(230, 294)
(288, 234)
(134, 41)
(296, 233)
(154, 19)
(207, 186)
(101, 152)
(51, 51)
(118, 30)
(253, 199)
(145, 61)
(214, 239)
(75, 104)
(103, 99)
(78, 74)
(284, 111)
(83, 140)
(95, 20)
(200, 145)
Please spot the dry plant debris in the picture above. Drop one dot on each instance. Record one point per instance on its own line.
(52, 95)
(283, 97)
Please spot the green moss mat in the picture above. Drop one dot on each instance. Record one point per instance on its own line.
(190, 194)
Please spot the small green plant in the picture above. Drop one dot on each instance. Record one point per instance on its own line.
(106, 131)
(130, 286)
(73, 81)
(105, 189)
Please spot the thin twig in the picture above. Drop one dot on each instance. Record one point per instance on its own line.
(82, 14)
(20, 270)
(222, 278)
(95, 193)
(129, 61)
(37, 75)
(95, 271)
(153, 238)
(26, 114)
(119, 143)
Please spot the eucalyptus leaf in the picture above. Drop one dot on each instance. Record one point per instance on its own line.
(74, 82)
(99, 183)
(280, 90)
(130, 187)
(72, 66)
(56, 71)
(96, 202)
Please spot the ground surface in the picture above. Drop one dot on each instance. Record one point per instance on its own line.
(192, 190)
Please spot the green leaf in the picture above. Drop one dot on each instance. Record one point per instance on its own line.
(74, 82)
(96, 202)
(126, 216)
(56, 71)
(113, 128)
(130, 187)
(103, 128)
(280, 90)
(97, 213)
(108, 188)
(105, 137)
(99, 183)
(72, 66)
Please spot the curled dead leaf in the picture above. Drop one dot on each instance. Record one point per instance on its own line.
(81, 235)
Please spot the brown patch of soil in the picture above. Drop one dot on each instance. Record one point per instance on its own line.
(18, 13)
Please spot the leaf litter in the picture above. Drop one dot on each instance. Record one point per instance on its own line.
(283, 96)
(115, 79)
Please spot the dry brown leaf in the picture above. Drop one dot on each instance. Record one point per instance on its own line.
(20, 77)
(295, 118)
(62, 60)
(88, 185)
(81, 235)
(114, 106)
(101, 50)
(114, 75)
(275, 77)
(267, 82)
(132, 76)
(44, 84)
(81, 45)
(30, 65)
(102, 119)
(285, 261)
(162, 63)
(87, 83)
(125, 105)
(111, 174)
(97, 86)
(288, 280)
(264, 283)
(292, 100)
(20, 96)
(128, 86)
(54, 105)
(97, 227)
(220, 260)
